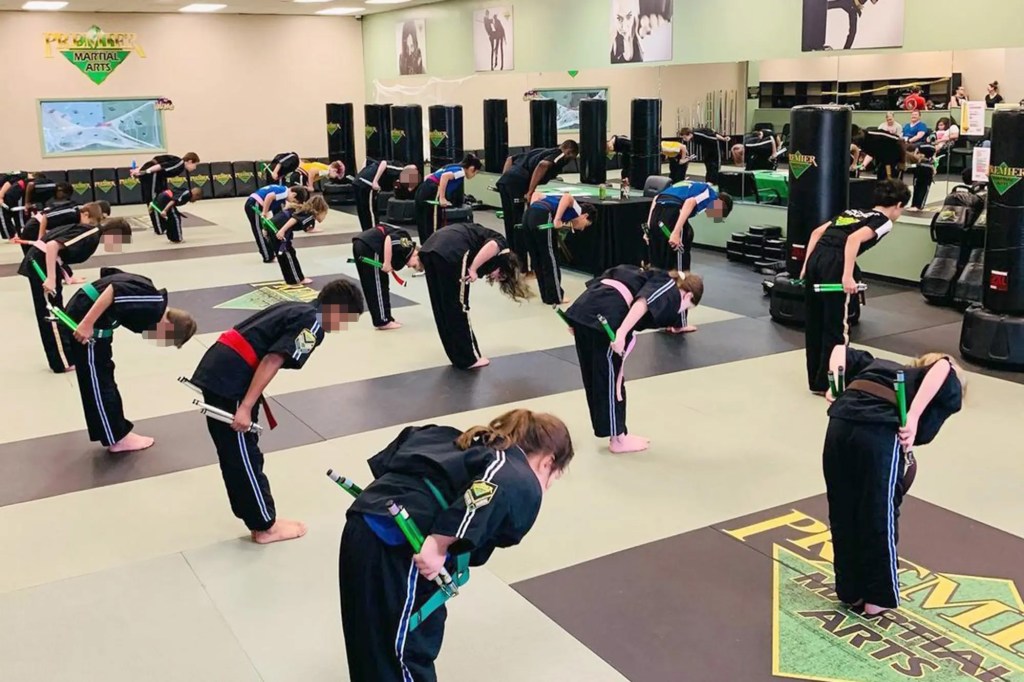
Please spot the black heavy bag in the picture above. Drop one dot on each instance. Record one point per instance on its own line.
(495, 134)
(129, 189)
(543, 123)
(201, 178)
(446, 142)
(969, 287)
(593, 145)
(378, 131)
(104, 183)
(223, 176)
(81, 185)
(645, 132)
(246, 181)
(939, 276)
(407, 135)
(341, 140)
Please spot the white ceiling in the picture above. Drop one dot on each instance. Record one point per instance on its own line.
(233, 6)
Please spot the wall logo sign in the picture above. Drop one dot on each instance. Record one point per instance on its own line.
(799, 163)
(96, 53)
(1004, 177)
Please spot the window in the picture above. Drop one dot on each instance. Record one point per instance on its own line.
(568, 101)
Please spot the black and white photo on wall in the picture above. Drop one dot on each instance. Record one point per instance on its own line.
(493, 39)
(852, 24)
(641, 31)
(411, 44)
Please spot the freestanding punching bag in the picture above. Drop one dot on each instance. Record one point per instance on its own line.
(407, 135)
(378, 131)
(495, 134)
(341, 141)
(819, 190)
(993, 333)
(593, 146)
(446, 145)
(645, 132)
(543, 123)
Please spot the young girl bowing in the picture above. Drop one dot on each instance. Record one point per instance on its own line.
(547, 213)
(394, 249)
(304, 217)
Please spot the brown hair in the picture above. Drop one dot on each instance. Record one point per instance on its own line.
(689, 282)
(196, 193)
(685, 131)
(534, 432)
(512, 281)
(92, 210)
(191, 157)
(929, 359)
(184, 326)
(316, 205)
(117, 226)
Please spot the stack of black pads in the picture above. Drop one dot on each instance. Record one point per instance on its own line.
(761, 246)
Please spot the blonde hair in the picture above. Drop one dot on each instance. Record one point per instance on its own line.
(534, 432)
(929, 359)
(184, 326)
(316, 205)
(689, 282)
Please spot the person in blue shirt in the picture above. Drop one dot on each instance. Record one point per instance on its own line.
(559, 211)
(673, 209)
(915, 131)
(447, 187)
(266, 202)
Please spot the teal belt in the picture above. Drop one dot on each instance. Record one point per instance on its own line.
(90, 291)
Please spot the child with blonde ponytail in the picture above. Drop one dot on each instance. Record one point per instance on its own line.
(304, 216)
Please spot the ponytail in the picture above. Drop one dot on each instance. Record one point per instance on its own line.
(315, 205)
(533, 432)
(471, 161)
(689, 282)
(511, 280)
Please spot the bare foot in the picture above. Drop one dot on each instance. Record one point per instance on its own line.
(306, 281)
(530, 275)
(626, 443)
(133, 442)
(76, 280)
(482, 362)
(389, 325)
(281, 530)
(680, 330)
(872, 610)
(821, 393)
(69, 369)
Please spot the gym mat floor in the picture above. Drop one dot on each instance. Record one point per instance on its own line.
(703, 559)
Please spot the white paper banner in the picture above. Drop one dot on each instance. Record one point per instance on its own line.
(980, 162)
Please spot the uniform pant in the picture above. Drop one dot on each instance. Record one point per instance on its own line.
(712, 153)
(513, 207)
(663, 256)
(152, 185)
(10, 223)
(380, 589)
(854, 17)
(677, 170)
(365, 209)
(427, 214)
(924, 176)
(289, 164)
(376, 287)
(886, 171)
(170, 225)
(827, 324)
(864, 466)
(600, 368)
(291, 270)
(256, 225)
(101, 401)
(241, 466)
(541, 245)
(449, 299)
(55, 336)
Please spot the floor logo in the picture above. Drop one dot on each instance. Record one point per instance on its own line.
(266, 294)
(799, 163)
(1004, 177)
(95, 53)
(949, 627)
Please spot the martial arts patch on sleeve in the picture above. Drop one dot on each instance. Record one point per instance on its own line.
(405, 243)
(305, 342)
(480, 494)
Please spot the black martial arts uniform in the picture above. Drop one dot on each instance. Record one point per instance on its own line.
(171, 223)
(10, 219)
(447, 257)
(542, 243)
(431, 217)
(78, 243)
(491, 498)
(513, 186)
(284, 248)
(757, 153)
(678, 166)
(711, 152)
(827, 313)
(376, 291)
(864, 467)
(253, 211)
(138, 306)
(924, 175)
(289, 164)
(667, 206)
(366, 206)
(40, 191)
(600, 367)
(885, 149)
(156, 182)
(58, 214)
(291, 330)
(623, 146)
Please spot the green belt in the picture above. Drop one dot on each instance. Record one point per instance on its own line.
(460, 577)
(91, 291)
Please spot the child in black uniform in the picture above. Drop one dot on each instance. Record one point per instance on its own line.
(157, 170)
(235, 372)
(305, 217)
(380, 176)
(623, 146)
(560, 210)
(281, 166)
(627, 299)
(65, 246)
(59, 212)
(864, 463)
(392, 247)
(12, 203)
(168, 217)
(117, 299)
(452, 259)
(832, 258)
(485, 491)
(710, 144)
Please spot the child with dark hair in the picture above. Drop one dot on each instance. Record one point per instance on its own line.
(832, 258)
(156, 172)
(469, 492)
(394, 249)
(454, 258)
(671, 210)
(168, 218)
(305, 217)
(710, 143)
(446, 186)
(281, 166)
(262, 205)
(235, 372)
(546, 214)
(380, 176)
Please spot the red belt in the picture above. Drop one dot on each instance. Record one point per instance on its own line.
(236, 342)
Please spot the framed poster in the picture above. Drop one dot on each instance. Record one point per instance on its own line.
(411, 46)
(493, 39)
(80, 127)
(641, 31)
(852, 24)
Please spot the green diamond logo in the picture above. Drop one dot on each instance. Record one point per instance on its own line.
(129, 182)
(104, 186)
(437, 137)
(573, 73)
(80, 187)
(96, 64)
(799, 163)
(1004, 177)
(397, 135)
(244, 176)
(370, 131)
(333, 128)
(222, 178)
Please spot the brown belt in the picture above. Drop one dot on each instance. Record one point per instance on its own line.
(877, 390)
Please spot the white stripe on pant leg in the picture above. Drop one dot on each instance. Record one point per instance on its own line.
(97, 395)
(257, 231)
(554, 265)
(846, 321)
(403, 623)
(891, 518)
(243, 450)
(57, 340)
(290, 263)
(377, 275)
(611, 396)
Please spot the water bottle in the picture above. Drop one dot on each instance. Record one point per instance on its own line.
(134, 165)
